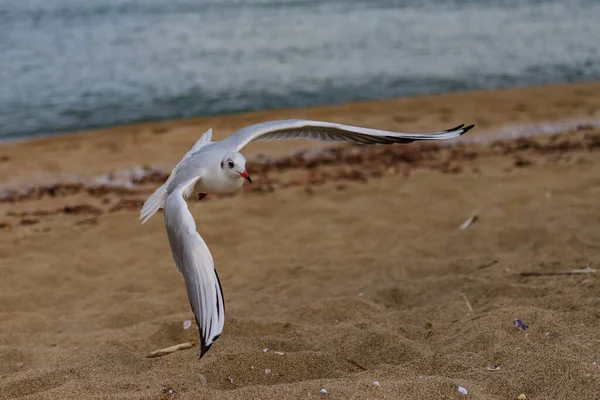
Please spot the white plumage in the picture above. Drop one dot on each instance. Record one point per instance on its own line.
(218, 167)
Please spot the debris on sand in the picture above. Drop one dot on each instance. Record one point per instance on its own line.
(172, 349)
(467, 302)
(587, 270)
(81, 209)
(493, 368)
(462, 390)
(127, 204)
(522, 397)
(376, 383)
(187, 324)
(581, 271)
(522, 162)
(268, 371)
(469, 221)
(88, 221)
(520, 324)
(335, 164)
(324, 391)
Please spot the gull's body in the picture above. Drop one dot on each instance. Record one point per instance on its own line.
(218, 167)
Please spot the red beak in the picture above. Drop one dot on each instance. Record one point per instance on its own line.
(245, 175)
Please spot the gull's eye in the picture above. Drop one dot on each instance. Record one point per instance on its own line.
(230, 164)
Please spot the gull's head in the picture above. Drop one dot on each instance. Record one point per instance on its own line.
(234, 165)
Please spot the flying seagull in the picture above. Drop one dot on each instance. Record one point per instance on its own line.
(218, 167)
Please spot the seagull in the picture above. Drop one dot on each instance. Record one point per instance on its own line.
(219, 168)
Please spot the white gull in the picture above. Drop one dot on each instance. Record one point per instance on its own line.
(218, 167)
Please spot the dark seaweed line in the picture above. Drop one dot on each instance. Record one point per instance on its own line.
(373, 160)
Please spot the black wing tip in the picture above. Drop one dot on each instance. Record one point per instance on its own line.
(204, 348)
(460, 127)
(454, 129)
(467, 128)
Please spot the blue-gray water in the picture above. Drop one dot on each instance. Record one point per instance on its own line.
(72, 64)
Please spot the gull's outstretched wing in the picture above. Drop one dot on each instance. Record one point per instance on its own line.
(327, 131)
(195, 263)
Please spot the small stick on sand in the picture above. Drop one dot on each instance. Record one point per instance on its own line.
(469, 221)
(467, 301)
(356, 364)
(172, 349)
(587, 270)
(583, 271)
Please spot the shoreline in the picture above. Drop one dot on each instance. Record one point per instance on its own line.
(203, 119)
(95, 152)
(136, 125)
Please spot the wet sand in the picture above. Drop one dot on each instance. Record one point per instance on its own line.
(346, 263)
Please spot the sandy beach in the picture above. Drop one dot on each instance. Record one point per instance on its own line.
(344, 268)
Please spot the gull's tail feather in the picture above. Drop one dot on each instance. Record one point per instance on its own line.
(154, 203)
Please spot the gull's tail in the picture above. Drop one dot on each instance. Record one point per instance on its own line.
(154, 203)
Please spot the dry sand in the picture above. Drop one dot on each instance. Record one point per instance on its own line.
(348, 261)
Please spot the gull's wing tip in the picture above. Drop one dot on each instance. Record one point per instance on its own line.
(204, 348)
(467, 128)
(460, 127)
(454, 129)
